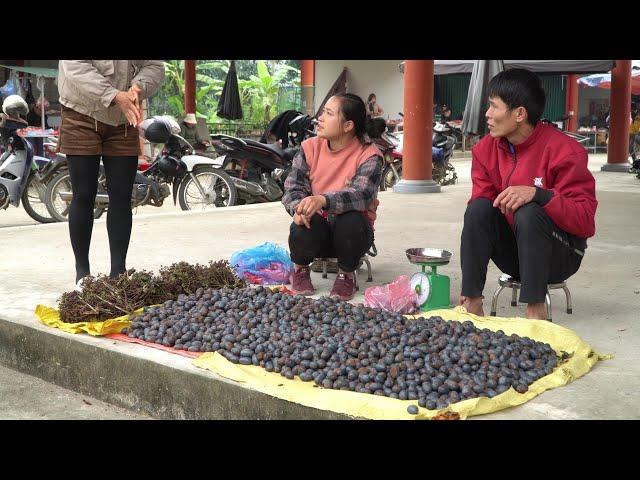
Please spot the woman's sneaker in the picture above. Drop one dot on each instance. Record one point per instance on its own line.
(301, 281)
(344, 287)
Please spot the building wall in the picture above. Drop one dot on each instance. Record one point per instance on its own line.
(384, 79)
(381, 77)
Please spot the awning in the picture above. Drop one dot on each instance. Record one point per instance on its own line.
(446, 67)
(37, 71)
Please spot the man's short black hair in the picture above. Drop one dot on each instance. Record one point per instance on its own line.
(518, 87)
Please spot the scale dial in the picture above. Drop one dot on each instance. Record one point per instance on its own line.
(421, 285)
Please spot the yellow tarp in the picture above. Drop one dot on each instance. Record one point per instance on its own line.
(581, 359)
(51, 317)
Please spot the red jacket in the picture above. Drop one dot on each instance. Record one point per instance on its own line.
(548, 159)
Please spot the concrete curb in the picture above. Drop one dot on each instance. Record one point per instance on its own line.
(139, 384)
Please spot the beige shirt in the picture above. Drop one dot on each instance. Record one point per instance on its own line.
(90, 86)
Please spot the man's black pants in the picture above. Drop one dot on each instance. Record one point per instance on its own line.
(537, 253)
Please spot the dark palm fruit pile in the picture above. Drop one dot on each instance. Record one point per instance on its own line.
(103, 297)
(342, 346)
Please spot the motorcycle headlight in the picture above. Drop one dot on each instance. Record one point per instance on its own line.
(170, 166)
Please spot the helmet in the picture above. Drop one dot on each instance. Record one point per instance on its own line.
(160, 128)
(15, 106)
(375, 127)
(171, 166)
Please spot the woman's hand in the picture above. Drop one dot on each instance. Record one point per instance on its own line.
(135, 93)
(301, 220)
(128, 107)
(311, 205)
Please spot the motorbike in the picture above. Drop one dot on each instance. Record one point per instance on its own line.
(388, 143)
(192, 179)
(258, 170)
(21, 174)
(443, 143)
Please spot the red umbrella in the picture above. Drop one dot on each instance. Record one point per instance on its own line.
(603, 80)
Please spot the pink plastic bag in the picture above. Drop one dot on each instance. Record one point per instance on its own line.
(397, 296)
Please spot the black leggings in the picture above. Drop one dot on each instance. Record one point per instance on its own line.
(347, 240)
(120, 173)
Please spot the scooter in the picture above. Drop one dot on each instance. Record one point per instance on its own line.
(21, 173)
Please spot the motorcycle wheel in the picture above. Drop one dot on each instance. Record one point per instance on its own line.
(58, 208)
(220, 191)
(388, 177)
(444, 174)
(33, 200)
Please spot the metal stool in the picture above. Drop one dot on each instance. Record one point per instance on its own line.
(365, 259)
(506, 281)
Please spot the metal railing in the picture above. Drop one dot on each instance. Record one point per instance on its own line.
(245, 129)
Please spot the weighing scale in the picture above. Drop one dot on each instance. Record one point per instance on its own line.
(433, 290)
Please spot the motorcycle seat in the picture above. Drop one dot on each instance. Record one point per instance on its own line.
(272, 148)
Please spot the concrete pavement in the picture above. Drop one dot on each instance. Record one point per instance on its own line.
(38, 267)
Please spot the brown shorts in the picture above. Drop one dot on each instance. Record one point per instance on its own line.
(83, 135)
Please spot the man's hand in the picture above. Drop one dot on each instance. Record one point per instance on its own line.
(512, 198)
(128, 107)
(309, 206)
(302, 220)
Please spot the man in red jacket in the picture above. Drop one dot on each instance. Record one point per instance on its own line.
(533, 201)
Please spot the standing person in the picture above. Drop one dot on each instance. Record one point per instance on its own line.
(100, 111)
(34, 118)
(373, 109)
(331, 193)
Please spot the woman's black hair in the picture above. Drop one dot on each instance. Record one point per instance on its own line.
(352, 108)
(371, 95)
(519, 88)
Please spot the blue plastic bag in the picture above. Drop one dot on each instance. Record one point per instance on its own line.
(11, 87)
(266, 264)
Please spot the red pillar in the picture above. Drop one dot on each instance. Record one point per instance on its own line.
(573, 91)
(190, 86)
(418, 119)
(618, 149)
(308, 82)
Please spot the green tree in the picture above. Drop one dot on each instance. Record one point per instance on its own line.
(260, 91)
(264, 87)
